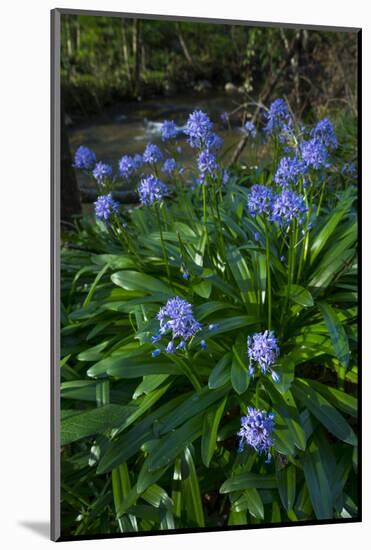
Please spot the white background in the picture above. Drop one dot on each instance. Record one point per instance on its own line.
(25, 263)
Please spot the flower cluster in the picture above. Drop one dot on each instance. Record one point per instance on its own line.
(263, 351)
(128, 165)
(278, 116)
(324, 131)
(198, 129)
(169, 166)
(256, 431)
(250, 128)
(85, 158)
(176, 319)
(207, 164)
(152, 154)
(288, 206)
(151, 189)
(102, 171)
(105, 206)
(314, 153)
(289, 170)
(259, 200)
(169, 130)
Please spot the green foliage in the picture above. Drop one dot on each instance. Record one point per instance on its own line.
(150, 442)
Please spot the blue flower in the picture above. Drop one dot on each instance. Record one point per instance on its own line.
(177, 319)
(169, 166)
(263, 351)
(288, 206)
(256, 431)
(225, 176)
(349, 169)
(257, 236)
(152, 154)
(102, 171)
(207, 164)
(198, 128)
(203, 344)
(259, 200)
(324, 130)
(213, 141)
(314, 153)
(224, 117)
(151, 190)
(156, 352)
(127, 166)
(289, 170)
(250, 128)
(105, 206)
(137, 161)
(84, 158)
(278, 116)
(169, 130)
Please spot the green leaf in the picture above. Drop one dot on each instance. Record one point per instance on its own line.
(210, 432)
(298, 294)
(219, 376)
(317, 483)
(248, 480)
(337, 333)
(286, 480)
(192, 491)
(251, 501)
(132, 366)
(329, 227)
(239, 374)
(194, 405)
(289, 413)
(134, 280)
(93, 422)
(341, 400)
(174, 443)
(324, 412)
(203, 289)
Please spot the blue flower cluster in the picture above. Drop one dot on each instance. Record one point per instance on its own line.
(198, 129)
(129, 165)
(85, 158)
(259, 200)
(169, 166)
(176, 319)
(207, 164)
(105, 206)
(263, 351)
(256, 431)
(289, 170)
(151, 190)
(281, 207)
(314, 153)
(250, 128)
(288, 206)
(324, 131)
(278, 116)
(152, 154)
(169, 130)
(102, 171)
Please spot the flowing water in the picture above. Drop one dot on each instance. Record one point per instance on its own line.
(126, 128)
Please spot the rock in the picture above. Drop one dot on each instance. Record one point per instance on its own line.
(230, 88)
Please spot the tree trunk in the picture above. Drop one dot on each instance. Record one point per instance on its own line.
(184, 46)
(136, 55)
(125, 50)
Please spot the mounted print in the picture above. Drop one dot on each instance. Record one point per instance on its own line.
(205, 200)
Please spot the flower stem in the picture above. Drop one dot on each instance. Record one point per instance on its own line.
(166, 259)
(268, 268)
